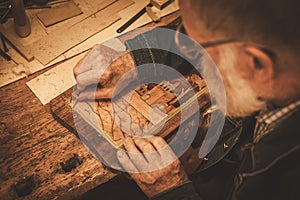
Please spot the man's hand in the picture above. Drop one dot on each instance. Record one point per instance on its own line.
(98, 72)
(146, 155)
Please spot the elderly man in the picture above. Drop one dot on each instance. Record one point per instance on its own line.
(254, 45)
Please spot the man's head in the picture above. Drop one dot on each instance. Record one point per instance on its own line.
(261, 66)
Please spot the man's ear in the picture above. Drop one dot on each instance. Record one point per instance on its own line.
(261, 64)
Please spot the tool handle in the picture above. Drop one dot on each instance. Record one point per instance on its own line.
(133, 19)
(5, 55)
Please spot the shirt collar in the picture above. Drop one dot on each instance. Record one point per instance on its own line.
(278, 115)
(268, 120)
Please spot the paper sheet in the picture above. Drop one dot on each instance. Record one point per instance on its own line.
(55, 81)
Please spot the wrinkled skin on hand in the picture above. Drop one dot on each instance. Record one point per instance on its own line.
(99, 71)
(97, 75)
(147, 154)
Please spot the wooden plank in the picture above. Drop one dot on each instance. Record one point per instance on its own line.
(160, 4)
(6, 74)
(51, 83)
(59, 13)
(58, 42)
(62, 111)
(16, 44)
(125, 15)
(38, 31)
(57, 75)
(88, 8)
(33, 144)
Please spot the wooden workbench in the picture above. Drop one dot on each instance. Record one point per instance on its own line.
(39, 158)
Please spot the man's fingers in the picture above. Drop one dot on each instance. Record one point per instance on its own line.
(158, 142)
(93, 69)
(99, 76)
(95, 93)
(144, 145)
(126, 162)
(148, 150)
(77, 67)
(130, 146)
(163, 149)
(135, 155)
(87, 62)
(86, 79)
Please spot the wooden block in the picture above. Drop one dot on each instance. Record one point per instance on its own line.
(17, 44)
(151, 114)
(58, 42)
(59, 13)
(160, 4)
(153, 15)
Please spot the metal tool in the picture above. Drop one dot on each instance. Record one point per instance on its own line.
(5, 14)
(5, 55)
(132, 20)
(5, 49)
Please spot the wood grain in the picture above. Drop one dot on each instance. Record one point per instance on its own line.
(33, 144)
(88, 8)
(153, 15)
(160, 4)
(59, 13)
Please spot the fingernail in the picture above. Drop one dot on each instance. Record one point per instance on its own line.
(120, 153)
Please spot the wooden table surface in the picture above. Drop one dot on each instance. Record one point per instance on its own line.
(39, 158)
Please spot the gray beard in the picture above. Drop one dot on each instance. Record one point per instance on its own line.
(242, 100)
